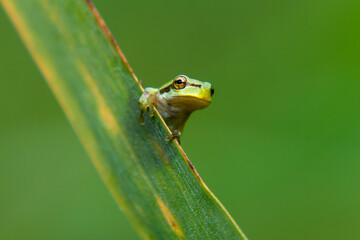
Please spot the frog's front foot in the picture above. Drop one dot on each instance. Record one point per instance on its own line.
(147, 101)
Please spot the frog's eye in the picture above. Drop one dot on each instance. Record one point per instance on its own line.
(179, 82)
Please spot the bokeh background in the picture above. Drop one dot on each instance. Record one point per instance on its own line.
(279, 145)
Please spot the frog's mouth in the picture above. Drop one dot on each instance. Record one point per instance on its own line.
(190, 103)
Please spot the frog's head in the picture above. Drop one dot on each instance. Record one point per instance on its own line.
(187, 93)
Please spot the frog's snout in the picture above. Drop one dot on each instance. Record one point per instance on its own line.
(212, 91)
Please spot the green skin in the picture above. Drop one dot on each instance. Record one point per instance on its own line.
(176, 105)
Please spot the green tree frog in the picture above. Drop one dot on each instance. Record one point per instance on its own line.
(175, 101)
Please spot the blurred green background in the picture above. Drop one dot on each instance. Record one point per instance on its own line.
(279, 145)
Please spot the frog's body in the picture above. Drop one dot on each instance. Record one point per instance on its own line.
(176, 100)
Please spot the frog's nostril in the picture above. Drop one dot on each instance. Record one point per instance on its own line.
(212, 91)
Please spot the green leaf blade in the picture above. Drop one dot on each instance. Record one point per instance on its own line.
(150, 178)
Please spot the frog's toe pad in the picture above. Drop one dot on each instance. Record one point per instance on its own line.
(174, 135)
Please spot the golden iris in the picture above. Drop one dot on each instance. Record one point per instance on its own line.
(179, 82)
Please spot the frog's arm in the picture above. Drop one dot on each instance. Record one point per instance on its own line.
(147, 100)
